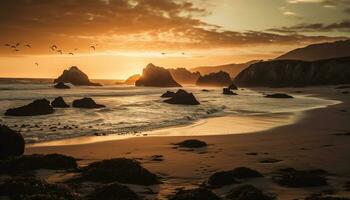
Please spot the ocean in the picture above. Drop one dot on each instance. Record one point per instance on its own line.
(131, 110)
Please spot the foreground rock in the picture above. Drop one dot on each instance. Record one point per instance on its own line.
(227, 91)
(295, 73)
(279, 96)
(86, 103)
(34, 162)
(182, 97)
(192, 144)
(132, 79)
(76, 77)
(113, 191)
(222, 178)
(32, 189)
(195, 194)
(247, 192)
(122, 170)
(290, 177)
(61, 85)
(37, 107)
(217, 79)
(154, 76)
(59, 103)
(11, 142)
(168, 94)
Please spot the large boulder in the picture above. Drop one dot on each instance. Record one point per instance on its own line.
(222, 178)
(122, 170)
(182, 97)
(216, 79)
(113, 191)
(247, 192)
(183, 76)
(279, 96)
(168, 94)
(228, 91)
(11, 142)
(61, 85)
(195, 194)
(154, 76)
(290, 177)
(37, 107)
(59, 103)
(132, 79)
(192, 143)
(76, 77)
(86, 103)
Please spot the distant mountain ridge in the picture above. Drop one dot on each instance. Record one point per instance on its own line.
(296, 73)
(319, 51)
(232, 69)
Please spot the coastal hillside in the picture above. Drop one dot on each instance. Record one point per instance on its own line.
(232, 69)
(294, 73)
(319, 51)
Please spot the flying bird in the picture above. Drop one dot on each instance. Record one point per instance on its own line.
(163, 53)
(76, 49)
(183, 53)
(29, 46)
(13, 46)
(7, 45)
(59, 51)
(37, 64)
(16, 50)
(71, 53)
(17, 44)
(53, 47)
(93, 47)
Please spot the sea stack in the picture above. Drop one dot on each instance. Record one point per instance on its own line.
(217, 79)
(132, 79)
(76, 77)
(154, 76)
(37, 107)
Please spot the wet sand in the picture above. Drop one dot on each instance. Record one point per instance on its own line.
(308, 142)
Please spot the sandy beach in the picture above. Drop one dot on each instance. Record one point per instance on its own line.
(303, 140)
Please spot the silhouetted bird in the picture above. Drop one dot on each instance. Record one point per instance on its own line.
(53, 47)
(16, 50)
(7, 45)
(163, 53)
(13, 46)
(59, 51)
(93, 47)
(76, 49)
(37, 64)
(183, 53)
(17, 44)
(71, 53)
(29, 46)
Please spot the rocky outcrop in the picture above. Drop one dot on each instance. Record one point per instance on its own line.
(11, 142)
(183, 76)
(37, 107)
(279, 96)
(132, 79)
(227, 91)
(168, 94)
(233, 87)
(113, 191)
(290, 177)
(217, 79)
(76, 77)
(248, 192)
(59, 103)
(182, 97)
(86, 103)
(192, 143)
(153, 76)
(222, 178)
(61, 85)
(195, 194)
(293, 73)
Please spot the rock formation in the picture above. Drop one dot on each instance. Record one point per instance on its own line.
(11, 142)
(154, 76)
(86, 103)
(183, 76)
(279, 96)
(59, 103)
(182, 97)
(217, 79)
(37, 107)
(76, 77)
(293, 73)
(227, 91)
(61, 85)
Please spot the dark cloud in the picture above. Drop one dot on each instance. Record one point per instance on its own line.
(125, 24)
(343, 26)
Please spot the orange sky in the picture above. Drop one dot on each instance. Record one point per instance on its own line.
(129, 34)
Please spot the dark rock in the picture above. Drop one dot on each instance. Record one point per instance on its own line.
(61, 85)
(216, 79)
(122, 170)
(76, 77)
(270, 160)
(182, 97)
(295, 73)
(36, 161)
(86, 103)
(233, 87)
(279, 96)
(168, 94)
(153, 76)
(11, 142)
(183, 76)
(59, 103)
(195, 194)
(132, 79)
(157, 158)
(227, 91)
(343, 87)
(247, 192)
(252, 153)
(205, 90)
(345, 92)
(113, 191)
(32, 189)
(290, 177)
(37, 107)
(320, 197)
(192, 144)
(222, 178)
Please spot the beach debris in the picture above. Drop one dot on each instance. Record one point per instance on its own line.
(222, 178)
(195, 194)
(30, 188)
(122, 170)
(168, 94)
(37, 107)
(11, 142)
(289, 177)
(228, 91)
(182, 97)
(192, 143)
(61, 85)
(247, 192)
(279, 96)
(113, 191)
(33, 162)
(86, 103)
(59, 103)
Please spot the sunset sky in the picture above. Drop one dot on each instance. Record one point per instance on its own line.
(129, 34)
